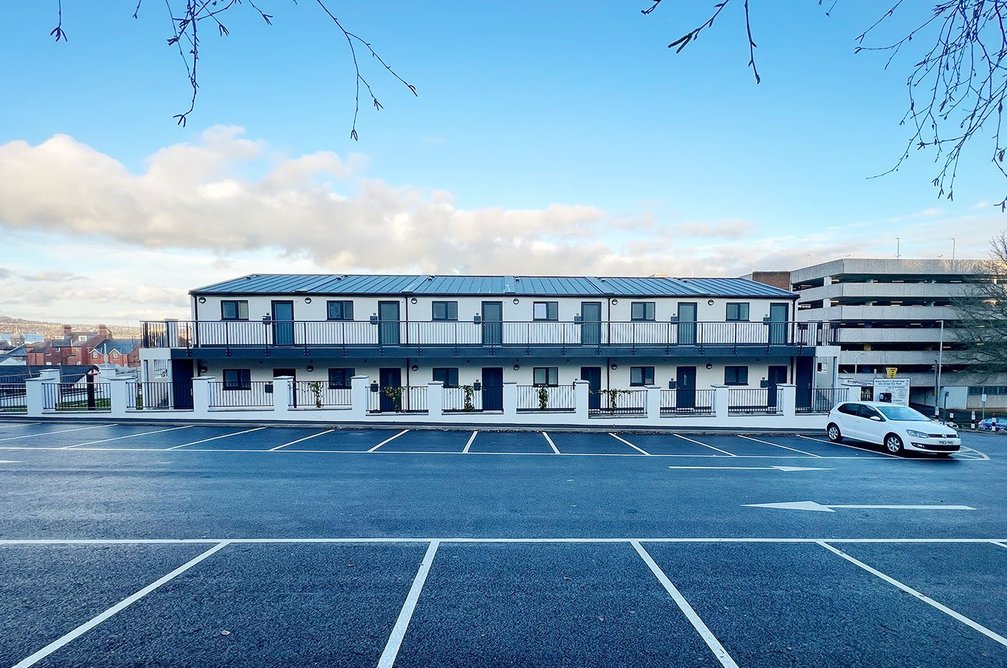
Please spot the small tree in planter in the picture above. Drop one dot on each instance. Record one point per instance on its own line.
(316, 389)
(469, 398)
(395, 394)
(543, 398)
(613, 398)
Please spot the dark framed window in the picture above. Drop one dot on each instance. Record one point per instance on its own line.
(545, 311)
(339, 379)
(641, 375)
(341, 309)
(642, 311)
(234, 309)
(737, 311)
(444, 310)
(237, 379)
(446, 375)
(545, 375)
(735, 375)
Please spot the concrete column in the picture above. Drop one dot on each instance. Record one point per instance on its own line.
(360, 389)
(34, 398)
(786, 399)
(201, 390)
(653, 402)
(720, 401)
(582, 399)
(50, 393)
(283, 390)
(119, 388)
(510, 399)
(435, 398)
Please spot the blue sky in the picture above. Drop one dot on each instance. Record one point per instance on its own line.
(554, 137)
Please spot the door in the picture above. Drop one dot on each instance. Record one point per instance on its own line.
(493, 389)
(283, 323)
(590, 324)
(388, 323)
(685, 386)
(778, 323)
(492, 329)
(592, 374)
(687, 324)
(777, 375)
(390, 378)
(181, 384)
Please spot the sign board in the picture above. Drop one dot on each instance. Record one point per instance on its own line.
(892, 390)
(892, 371)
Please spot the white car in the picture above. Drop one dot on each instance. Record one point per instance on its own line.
(897, 428)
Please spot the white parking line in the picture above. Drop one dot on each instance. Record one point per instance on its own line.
(469, 444)
(118, 607)
(402, 623)
(119, 438)
(50, 433)
(847, 445)
(777, 445)
(300, 440)
(979, 456)
(14, 425)
(552, 445)
(215, 438)
(690, 614)
(388, 440)
(493, 540)
(923, 597)
(692, 440)
(999, 544)
(640, 450)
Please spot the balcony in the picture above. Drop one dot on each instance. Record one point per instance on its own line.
(243, 338)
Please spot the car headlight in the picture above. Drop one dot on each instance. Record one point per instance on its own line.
(916, 434)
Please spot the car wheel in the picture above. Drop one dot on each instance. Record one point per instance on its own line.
(893, 444)
(834, 434)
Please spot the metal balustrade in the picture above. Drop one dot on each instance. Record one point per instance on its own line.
(687, 402)
(318, 394)
(254, 394)
(405, 399)
(77, 396)
(150, 396)
(615, 402)
(462, 399)
(820, 399)
(746, 401)
(13, 398)
(418, 335)
(551, 398)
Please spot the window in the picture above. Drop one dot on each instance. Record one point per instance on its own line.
(339, 310)
(445, 310)
(448, 376)
(545, 375)
(545, 311)
(642, 311)
(737, 312)
(237, 379)
(339, 379)
(233, 309)
(735, 375)
(641, 375)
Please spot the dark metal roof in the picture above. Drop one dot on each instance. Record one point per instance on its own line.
(531, 286)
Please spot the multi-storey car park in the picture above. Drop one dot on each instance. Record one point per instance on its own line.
(476, 333)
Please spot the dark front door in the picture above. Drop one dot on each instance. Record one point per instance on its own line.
(493, 389)
(181, 384)
(687, 324)
(592, 374)
(685, 386)
(778, 323)
(590, 324)
(389, 378)
(283, 323)
(777, 375)
(492, 317)
(388, 323)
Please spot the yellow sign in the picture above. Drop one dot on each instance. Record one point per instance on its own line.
(892, 371)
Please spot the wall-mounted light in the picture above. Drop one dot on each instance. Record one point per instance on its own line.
(415, 367)
(517, 367)
(310, 368)
(202, 300)
(615, 301)
(307, 300)
(517, 301)
(202, 368)
(709, 366)
(615, 366)
(709, 302)
(413, 300)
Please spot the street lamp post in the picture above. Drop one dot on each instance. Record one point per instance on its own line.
(940, 360)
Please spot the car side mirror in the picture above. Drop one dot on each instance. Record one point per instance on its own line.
(876, 418)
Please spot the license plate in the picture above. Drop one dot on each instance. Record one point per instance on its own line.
(946, 442)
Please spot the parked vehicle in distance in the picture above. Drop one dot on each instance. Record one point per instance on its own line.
(897, 428)
(992, 424)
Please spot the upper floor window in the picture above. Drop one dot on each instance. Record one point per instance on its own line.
(448, 376)
(234, 309)
(339, 379)
(237, 379)
(642, 311)
(545, 375)
(737, 312)
(735, 375)
(339, 310)
(545, 311)
(445, 310)
(641, 376)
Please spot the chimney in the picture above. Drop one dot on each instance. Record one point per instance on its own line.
(66, 330)
(103, 331)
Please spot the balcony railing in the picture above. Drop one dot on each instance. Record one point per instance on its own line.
(554, 398)
(347, 334)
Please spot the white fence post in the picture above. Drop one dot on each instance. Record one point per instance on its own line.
(786, 399)
(721, 401)
(119, 389)
(581, 398)
(34, 397)
(510, 399)
(435, 398)
(360, 388)
(201, 388)
(653, 402)
(283, 388)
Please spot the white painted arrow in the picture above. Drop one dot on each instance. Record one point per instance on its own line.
(7, 462)
(819, 508)
(749, 468)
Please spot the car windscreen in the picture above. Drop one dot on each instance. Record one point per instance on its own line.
(901, 414)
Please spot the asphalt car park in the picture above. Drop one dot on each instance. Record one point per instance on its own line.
(178, 545)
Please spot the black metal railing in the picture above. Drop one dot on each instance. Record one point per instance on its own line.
(820, 399)
(13, 398)
(318, 394)
(687, 402)
(254, 394)
(551, 398)
(79, 396)
(746, 401)
(150, 396)
(452, 334)
(620, 402)
(462, 399)
(405, 399)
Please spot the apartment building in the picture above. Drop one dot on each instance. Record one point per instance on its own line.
(686, 334)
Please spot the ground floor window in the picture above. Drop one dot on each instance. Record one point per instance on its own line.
(641, 375)
(339, 379)
(735, 375)
(448, 376)
(545, 375)
(237, 379)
